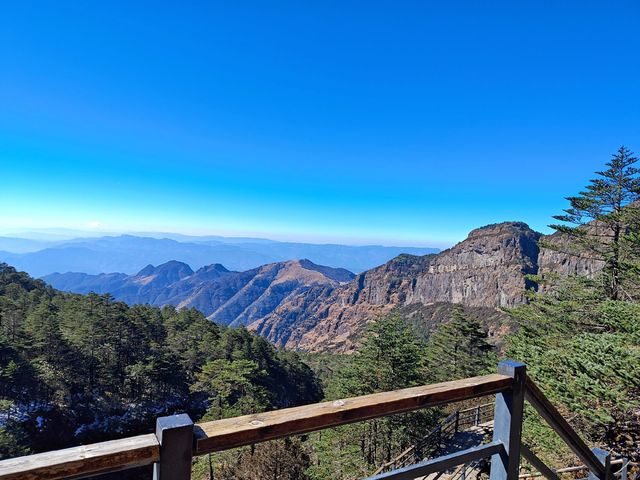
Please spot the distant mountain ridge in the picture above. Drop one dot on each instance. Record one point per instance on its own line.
(227, 297)
(303, 306)
(130, 253)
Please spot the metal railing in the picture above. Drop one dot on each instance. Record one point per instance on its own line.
(431, 444)
(177, 439)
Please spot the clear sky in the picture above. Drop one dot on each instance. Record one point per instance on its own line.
(359, 122)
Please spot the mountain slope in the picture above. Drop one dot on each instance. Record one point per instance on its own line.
(486, 270)
(226, 297)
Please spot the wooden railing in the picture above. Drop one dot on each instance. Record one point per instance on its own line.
(177, 439)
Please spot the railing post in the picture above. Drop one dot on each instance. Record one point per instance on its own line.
(175, 435)
(477, 419)
(624, 468)
(457, 424)
(605, 459)
(507, 427)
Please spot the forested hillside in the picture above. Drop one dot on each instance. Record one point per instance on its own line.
(84, 368)
(580, 334)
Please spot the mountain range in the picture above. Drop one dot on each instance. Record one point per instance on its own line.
(130, 253)
(300, 305)
(226, 297)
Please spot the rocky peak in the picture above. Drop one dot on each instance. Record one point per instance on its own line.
(171, 271)
(214, 267)
(211, 272)
(504, 228)
(337, 274)
(487, 269)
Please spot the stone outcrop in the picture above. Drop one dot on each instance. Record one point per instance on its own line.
(486, 270)
(561, 261)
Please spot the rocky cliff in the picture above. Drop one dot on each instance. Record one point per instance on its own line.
(486, 270)
(561, 262)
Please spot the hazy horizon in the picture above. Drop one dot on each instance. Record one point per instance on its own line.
(66, 233)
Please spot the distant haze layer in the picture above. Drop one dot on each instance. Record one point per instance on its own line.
(130, 253)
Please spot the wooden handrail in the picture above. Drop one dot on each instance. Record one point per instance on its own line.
(249, 429)
(558, 423)
(85, 460)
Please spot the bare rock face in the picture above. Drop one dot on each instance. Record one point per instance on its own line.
(486, 270)
(552, 261)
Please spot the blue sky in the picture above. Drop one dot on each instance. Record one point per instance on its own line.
(357, 122)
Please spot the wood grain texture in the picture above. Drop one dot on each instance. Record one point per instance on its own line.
(84, 460)
(249, 429)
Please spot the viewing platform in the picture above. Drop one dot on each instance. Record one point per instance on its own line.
(178, 440)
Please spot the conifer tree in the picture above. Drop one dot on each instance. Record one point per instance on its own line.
(234, 388)
(390, 357)
(458, 349)
(603, 222)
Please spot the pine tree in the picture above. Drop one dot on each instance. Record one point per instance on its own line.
(390, 357)
(603, 222)
(49, 353)
(458, 349)
(583, 350)
(234, 388)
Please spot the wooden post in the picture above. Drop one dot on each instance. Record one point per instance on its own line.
(605, 459)
(508, 423)
(477, 419)
(457, 424)
(175, 435)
